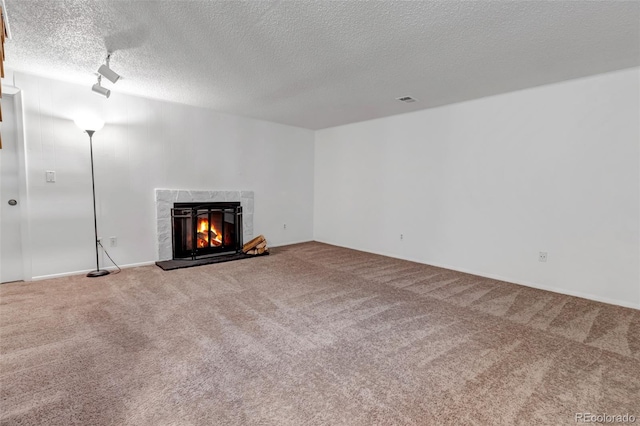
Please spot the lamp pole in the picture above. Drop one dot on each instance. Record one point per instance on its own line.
(98, 272)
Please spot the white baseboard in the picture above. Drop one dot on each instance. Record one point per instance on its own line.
(86, 271)
(450, 267)
(506, 279)
(543, 287)
(130, 265)
(290, 243)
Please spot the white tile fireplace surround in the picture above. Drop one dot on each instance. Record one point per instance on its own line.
(164, 203)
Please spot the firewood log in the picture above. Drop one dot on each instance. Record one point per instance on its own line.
(253, 243)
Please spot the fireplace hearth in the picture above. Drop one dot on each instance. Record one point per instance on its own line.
(217, 248)
(206, 229)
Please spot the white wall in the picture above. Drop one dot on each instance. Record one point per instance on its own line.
(149, 144)
(483, 186)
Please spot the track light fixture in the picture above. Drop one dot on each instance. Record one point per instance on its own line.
(107, 72)
(101, 90)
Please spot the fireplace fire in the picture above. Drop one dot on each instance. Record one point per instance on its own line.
(206, 229)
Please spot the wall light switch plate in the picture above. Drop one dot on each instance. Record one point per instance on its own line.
(51, 176)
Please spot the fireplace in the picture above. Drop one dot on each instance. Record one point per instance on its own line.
(202, 229)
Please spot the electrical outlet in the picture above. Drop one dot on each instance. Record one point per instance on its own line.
(113, 242)
(50, 176)
(402, 236)
(542, 256)
(284, 226)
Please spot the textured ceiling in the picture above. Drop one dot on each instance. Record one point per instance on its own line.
(321, 64)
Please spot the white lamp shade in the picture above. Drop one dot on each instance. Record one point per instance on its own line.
(88, 122)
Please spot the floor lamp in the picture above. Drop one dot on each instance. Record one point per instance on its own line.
(91, 125)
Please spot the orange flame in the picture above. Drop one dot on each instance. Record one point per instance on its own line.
(208, 238)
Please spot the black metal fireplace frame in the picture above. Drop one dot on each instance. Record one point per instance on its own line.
(190, 211)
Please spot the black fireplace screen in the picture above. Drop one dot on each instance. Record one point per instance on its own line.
(202, 229)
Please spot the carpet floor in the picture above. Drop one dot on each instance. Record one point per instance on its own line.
(311, 335)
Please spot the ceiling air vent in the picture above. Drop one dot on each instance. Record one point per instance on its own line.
(406, 99)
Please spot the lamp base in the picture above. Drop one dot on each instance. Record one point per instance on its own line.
(98, 273)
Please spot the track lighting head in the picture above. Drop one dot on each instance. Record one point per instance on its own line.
(97, 88)
(107, 72)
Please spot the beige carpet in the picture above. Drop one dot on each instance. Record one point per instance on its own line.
(311, 335)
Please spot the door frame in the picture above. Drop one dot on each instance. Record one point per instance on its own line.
(23, 189)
